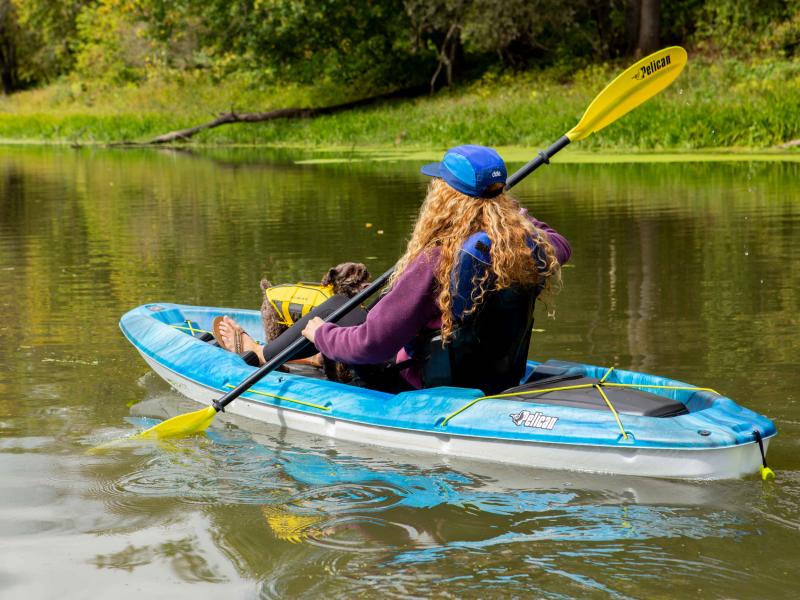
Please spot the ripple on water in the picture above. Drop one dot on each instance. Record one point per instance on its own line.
(196, 473)
(352, 497)
(327, 573)
(24, 444)
(780, 501)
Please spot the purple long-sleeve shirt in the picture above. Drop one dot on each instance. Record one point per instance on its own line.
(408, 308)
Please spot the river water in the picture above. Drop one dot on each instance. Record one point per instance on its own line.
(688, 270)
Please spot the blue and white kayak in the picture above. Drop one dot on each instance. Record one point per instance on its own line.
(565, 416)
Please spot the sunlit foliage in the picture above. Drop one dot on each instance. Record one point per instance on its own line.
(365, 44)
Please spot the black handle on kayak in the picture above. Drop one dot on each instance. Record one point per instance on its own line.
(542, 158)
(299, 344)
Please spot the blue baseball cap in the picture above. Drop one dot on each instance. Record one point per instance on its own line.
(476, 171)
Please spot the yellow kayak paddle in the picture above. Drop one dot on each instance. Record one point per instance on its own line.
(632, 87)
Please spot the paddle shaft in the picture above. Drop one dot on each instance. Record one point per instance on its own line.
(299, 344)
(543, 158)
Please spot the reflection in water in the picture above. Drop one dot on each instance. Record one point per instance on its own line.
(408, 513)
(690, 271)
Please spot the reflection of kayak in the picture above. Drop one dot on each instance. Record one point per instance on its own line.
(592, 419)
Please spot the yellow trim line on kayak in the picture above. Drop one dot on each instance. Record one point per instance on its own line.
(311, 404)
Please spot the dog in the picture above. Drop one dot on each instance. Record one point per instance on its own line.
(347, 279)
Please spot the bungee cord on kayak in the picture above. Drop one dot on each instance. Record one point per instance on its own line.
(598, 387)
(582, 386)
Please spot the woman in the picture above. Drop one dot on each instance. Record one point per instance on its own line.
(460, 302)
(465, 198)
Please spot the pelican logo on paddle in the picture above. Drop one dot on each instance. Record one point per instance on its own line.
(526, 418)
(649, 69)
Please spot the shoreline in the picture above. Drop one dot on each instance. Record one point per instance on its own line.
(513, 154)
(716, 107)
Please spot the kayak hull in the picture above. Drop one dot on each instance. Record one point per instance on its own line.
(351, 414)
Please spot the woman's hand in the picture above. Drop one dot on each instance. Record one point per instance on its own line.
(311, 327)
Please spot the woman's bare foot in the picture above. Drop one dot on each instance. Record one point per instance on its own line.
(234, 339)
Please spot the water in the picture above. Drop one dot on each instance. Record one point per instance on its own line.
(686, 270)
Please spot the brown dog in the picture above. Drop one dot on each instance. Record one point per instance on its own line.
(346, 278)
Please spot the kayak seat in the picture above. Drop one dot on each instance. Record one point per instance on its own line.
(629, 401)
(555, 368)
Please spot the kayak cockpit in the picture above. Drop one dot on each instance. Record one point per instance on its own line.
(553, 383)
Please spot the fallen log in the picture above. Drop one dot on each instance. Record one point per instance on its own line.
(790, 144)
(270, 115)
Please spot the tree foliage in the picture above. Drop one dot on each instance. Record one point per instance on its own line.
(365, 44)
(48, 36)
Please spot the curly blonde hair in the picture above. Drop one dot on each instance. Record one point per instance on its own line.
(448, 217)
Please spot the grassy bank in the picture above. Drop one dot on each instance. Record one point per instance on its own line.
(714, 104)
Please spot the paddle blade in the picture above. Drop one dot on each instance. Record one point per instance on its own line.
(635, 85)
(182, 425)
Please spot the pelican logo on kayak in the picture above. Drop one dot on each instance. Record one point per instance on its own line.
(526, 418)
(655, 65)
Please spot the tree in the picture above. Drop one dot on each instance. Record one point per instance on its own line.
(644, 26)
(522, 32)
(47, 38)
(8, 46)
(439, 23)
(649, 27)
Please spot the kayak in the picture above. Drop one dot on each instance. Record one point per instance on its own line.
(564, 415)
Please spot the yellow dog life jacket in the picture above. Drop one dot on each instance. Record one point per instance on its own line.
(293, 301)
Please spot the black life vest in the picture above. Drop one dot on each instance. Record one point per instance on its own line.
(488, 348)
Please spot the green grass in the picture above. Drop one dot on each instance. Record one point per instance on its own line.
(723, 104)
